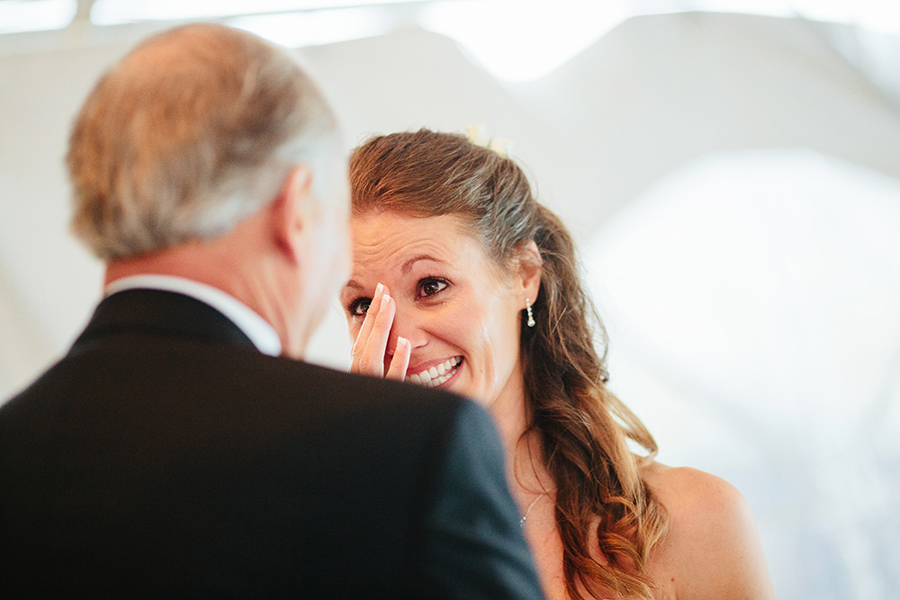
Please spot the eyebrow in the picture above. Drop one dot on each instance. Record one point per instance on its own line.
(405, 269)
(408, 265)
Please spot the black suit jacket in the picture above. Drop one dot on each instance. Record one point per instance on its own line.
(165, 456)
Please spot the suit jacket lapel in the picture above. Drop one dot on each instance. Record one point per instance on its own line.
(163, 313)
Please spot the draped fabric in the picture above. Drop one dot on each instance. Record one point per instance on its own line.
(733, 183)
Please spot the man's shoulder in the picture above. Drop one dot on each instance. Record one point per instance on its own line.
(364, 391)
(393, 408)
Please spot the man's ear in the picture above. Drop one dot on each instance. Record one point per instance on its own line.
(290, 212)
(529, 271)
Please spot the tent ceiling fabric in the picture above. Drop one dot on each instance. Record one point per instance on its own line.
(654, 95)
(660, 91)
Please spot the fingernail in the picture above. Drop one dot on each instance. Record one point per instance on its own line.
(378, 289)
(402, 342)
(385, 300)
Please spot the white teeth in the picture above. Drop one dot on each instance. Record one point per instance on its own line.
(436, 375)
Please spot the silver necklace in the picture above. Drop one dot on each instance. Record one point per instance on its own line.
(528, 510)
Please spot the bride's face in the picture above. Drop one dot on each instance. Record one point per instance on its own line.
(459, 312)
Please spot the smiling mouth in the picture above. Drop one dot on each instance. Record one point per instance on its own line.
(438, 374)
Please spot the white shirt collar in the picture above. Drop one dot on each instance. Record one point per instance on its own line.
(260, 332)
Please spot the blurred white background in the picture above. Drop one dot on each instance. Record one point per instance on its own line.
(731, 170)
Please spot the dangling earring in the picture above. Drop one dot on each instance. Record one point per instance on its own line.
(530, 321)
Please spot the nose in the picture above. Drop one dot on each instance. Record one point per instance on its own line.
(407, 324)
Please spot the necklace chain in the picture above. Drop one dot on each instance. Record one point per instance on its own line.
(528, 510)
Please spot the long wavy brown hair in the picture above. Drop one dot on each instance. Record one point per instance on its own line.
(582, 427)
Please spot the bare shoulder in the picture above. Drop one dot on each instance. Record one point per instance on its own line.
(696, 493)
(712, 549)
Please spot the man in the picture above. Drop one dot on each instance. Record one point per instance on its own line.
(180, 449)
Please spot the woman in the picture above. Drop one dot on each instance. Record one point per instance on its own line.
(462, 281)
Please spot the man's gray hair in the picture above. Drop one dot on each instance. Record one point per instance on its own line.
(194, 130)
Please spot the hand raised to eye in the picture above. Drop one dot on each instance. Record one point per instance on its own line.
(370, 347)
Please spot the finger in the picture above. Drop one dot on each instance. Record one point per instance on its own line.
(362, 337)
(400, 361)
(371, 355)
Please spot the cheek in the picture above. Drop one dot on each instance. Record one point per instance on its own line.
(463, 325)
(500, 338)
(476, 329)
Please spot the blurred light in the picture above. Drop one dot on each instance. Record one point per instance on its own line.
(517, 40)
(875, 15)
(313, 28)
(114, 12)
(767, 8)
(521, 40)
(783, 263)
(36, 15)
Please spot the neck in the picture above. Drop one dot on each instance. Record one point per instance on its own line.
(249, 279)
(193, 260)
(526, 472)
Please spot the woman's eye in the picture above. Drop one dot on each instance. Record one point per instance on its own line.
(431, 286)
(359, 307)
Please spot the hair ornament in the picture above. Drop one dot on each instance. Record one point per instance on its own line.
(477, 134)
